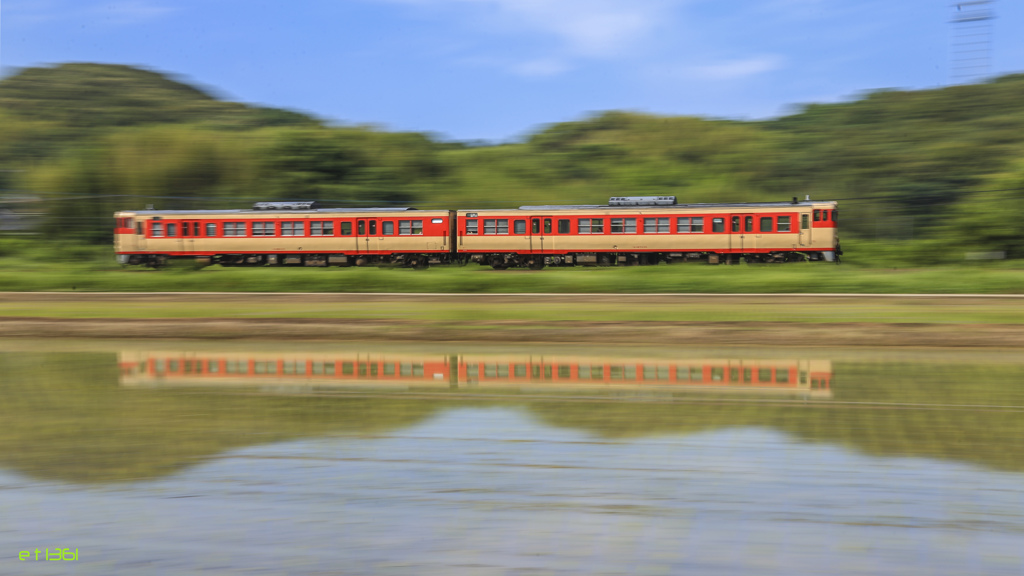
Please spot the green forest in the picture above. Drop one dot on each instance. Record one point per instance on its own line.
(930, 174)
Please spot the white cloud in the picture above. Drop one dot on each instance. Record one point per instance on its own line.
(130, 11)
(119, 12)
(540, 67)
(589, 28)
(733, 69)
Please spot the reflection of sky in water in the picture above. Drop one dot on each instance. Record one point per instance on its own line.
(486, 491)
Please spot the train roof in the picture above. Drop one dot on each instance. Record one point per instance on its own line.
(252, 212)
(805, 203)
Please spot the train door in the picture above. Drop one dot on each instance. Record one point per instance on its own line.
(805, 229)
(367, 239)
(742, 237)
(189, 235)
(540, 230)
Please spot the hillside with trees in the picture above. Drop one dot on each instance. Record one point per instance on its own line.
(930, 170)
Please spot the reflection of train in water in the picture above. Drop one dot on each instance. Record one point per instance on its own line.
(300, 372)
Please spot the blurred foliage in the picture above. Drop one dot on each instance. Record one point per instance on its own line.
(939, 170)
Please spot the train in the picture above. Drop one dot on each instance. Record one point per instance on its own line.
(319, 372)
(631, 230)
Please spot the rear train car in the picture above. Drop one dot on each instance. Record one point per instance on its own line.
(286, 233)
(649, 230)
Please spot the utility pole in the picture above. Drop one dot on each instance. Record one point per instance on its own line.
(972, 41)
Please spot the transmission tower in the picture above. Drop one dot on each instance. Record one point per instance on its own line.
(972, 40)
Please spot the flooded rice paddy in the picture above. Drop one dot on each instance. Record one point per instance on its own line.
(169, 457)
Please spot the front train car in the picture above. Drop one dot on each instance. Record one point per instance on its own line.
(285, 233)
(649, 230)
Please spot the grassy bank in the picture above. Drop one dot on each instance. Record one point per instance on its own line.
(24, 267)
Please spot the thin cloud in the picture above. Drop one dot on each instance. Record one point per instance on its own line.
(131, 11)
(120, 12)
(539, 68)
(735, 69)
(587, 28)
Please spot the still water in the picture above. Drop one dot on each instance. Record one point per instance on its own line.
(291, 458)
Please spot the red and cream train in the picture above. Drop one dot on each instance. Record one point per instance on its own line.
(629, 230)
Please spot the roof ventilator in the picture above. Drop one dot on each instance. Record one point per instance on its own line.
(642, 201)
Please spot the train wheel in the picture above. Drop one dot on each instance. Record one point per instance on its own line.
(536, 264)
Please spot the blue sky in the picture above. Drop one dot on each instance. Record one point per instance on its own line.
(500, 69)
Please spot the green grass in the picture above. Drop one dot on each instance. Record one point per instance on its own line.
(24, 267)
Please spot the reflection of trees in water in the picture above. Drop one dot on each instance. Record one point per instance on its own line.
(936, 411)
(66, 418)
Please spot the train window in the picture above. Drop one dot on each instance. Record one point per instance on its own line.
(835, 215)
(321, 228)
(718, 224)
(234, 228)
(748, 224)
(747, 375)
(817, 215)
(362, 227)
(547, 225)
(564, 371)
(496, 226)
(264, 367)
(805, 221)
(471, 226)
(582, 372)
(519, 226)
(689, 225)
(717, 374)
(656, 225)
(536, 225)
(387, 228)
(263, 228)
(734, 374)
(172, 229)
(157, 230)
(347, 368)
(410, 227)
(563, 226)
(766, 224)
(824, 215)
(373, 227)
(519, 370)
(184, 229)
(591, 226)
(783, 223)
(616, 227)
(388, 369)
(212, 366)
(782, 376)
(597, 372)
(195, 228)
(138, 227)
(696, 374)
(346, 228)
(764, 375)
(735, 223)
(293, 367)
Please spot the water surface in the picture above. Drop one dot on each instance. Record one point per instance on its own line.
(277, 458)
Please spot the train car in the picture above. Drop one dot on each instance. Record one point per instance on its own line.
(649, 230)
(286, 233)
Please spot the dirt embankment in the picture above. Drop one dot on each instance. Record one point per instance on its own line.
(660, 333)
(37, 320)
